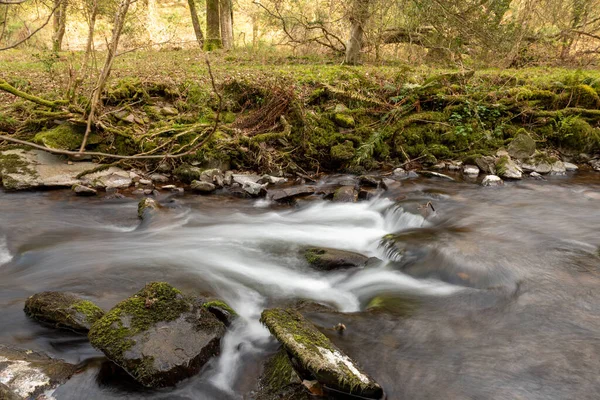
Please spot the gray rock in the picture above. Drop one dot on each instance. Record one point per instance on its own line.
(543, 168)
(571, 167)
(29, 374)
(536, 176)
(273, 180)
(253, 188)
(288, 194)
(595, 164)
(369, 180)
(439, 166)
(471, 170)
(487, 164)
(169, 111)
(202, 187)
(113, 180)
(492, 180)
(159, 178)
(63, 310)
(29, 169)
(527, 167)
(158, 335)
(345, 194)
(431, 174)
(326, 259)
(502, 153)
(228, 178)
(244, 178)
(81, 190)
(521, 147)
(508, 169)
(455, 165)
(316, 356)
(387, 183)
(400, 173)
(213, 175)
(145, 182)
(558, 168)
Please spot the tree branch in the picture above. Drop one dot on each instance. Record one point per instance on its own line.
(12, 46)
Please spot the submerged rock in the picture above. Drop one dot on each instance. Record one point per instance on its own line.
(345, 194)
(27, 374)
(492, 180)
(280, 381)
(431, 174)
(158, 335)
(147, 207)
(536, 176)
(316, 357)
(202, 187)
(329, 259)
(471, 170)
(63, 310)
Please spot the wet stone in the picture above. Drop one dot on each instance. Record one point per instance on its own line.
(289, 193)
(202, 187)
(63, 310)
(345, 194)
(81, 190)
(327, 259)
(492, 180)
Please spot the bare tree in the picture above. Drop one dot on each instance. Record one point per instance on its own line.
(358, 19)
(196, 23)
(213, 26)
(226, 12)
(31, 33)
(60, 24)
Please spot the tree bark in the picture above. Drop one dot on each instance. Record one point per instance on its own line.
(226, 23)
(93, 15)
(196, 23)
(213, 26)
(358, 20)
(60, 24)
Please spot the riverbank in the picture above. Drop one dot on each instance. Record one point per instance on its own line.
(289, 116)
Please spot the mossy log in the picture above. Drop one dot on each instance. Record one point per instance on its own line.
(38, 100)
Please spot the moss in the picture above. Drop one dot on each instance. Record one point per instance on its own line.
(501, 165)
(156, 302)
(14, 164)
(187, 173)
(575, 133)
(91, 311)
(126, 89)
(585, 96)
(65, 137)
(313, 256)
(343, 120)
(219, 304)
(343, 152)
(212, 44)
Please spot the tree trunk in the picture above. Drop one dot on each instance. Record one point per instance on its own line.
(93, 15)
(213, 29)
(60, 23)
(196, 23)
(358, 20)
(226, 23)
(110, 57)
(254, 31)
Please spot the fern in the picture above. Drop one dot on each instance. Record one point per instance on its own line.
(365, 151)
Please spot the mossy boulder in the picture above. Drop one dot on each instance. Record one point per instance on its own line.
(64, 137)
(506, 168)
(316, 357)
(147, 207)
(158, 335)
(28, 375)
(326, 259)
(187, 173)
(63, 310)
(522, 146)
(343, 152)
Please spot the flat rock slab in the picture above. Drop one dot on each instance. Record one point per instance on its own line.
(317, 356)
(158, 335)
(29, 169)
(289, 193)
(28, 374)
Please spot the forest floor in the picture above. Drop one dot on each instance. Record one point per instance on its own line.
(286, 114)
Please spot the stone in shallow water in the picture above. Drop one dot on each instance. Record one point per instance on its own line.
(595, 164)
(81, 190)
(202, 187)
(158, 335)
(317, 357)
(558, 168)
(571, 167)
(289, 193)
(63, 310)
(487, 164)
(431, 174)
(345, 194)
(329, 259)
(471, 170)
(508, 169)
(492, 180)
(28, 374)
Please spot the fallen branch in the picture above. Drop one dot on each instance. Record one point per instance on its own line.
(7, 87)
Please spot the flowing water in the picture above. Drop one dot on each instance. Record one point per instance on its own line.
(495, 295)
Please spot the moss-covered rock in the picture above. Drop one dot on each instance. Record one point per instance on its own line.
(159, 336)
(64, 137)
(522, 146)
(188, 173)
(221, 310)
(147, 207)
(63, 310)
(326, 259)
(343, 120)
(345, 194)
(343, 152)
(316, 357)
(28, 374)
(279, 380)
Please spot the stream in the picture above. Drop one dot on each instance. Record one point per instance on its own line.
(494, 295)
